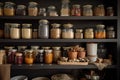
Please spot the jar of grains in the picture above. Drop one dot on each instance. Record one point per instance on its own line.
(79, 34)
(55, 32)
(48, 56)
(15, 31)
(67, 32)
(76, 11)
(33, 9)
(87, 10)
(21, 10)
(1, 9)
(9, 9)
(89, 33)
(99, 10)
(26, 31)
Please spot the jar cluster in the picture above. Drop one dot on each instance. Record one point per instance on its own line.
(34, 9)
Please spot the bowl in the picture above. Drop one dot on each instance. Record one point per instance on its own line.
(21, 77)
(41, 78)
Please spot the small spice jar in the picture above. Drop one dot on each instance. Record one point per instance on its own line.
(110, 32)
(79, 34)
(1, 9)
(76, 11)
(67, 32)
(33, 9)
(35, 33)
(18, 58)
(29, 57)
(55, 32)
(9, 9)
(21, 10)
(7, 30)
(52, 11)
(48, 56)
(26, 31)
(42, 12)
(99, 10)
(100, 32)
(15, 31)
(89, 34)
(110, 11)
(87, 10)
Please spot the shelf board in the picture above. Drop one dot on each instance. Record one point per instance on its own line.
(56, 66)
(61, 17)
(56, 40)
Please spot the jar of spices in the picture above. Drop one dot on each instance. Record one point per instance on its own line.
(21, 10)
(110, 32)
(48, 56)
(100, 32)
(89, 34)
(33, 9)
(76, 11)
(35, 33)
(65, 11)
(26, 31)
(99, 10)
(1, 9)
(2, 53)
(51, 11)
(55, 32)
(7, 30)
(67, 32)
(40, 56)
(18, 58)
(42, 12)
(110, 11)
(87, 10)
(79, 34)
(43, 30)
(29, 57)
(9, 9)
(15, 31)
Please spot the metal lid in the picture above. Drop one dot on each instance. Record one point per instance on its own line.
(68, 25)
(44, 21)
(26, 25)
(55, 25)
(100, 26)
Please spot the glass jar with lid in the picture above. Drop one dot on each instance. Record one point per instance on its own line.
(26, 31)
(21, 10)
(29, 57)
(110, 32)
(35, 52)
(110, 11)
(99, 10)
(18, 58)
(65, 11)
(79, 34)
(42, 12)
(52, 11)
(43, 30)
(40, 56)
(89, 34)
(34, 33)
(9, 9)
(7, 30)
(76, 11)
(55, 32)
(87, 10)
(1, 9)
(33, 9)
(2, 54)
(67, 32)
(15, 31)
(100, 32)
(48, 56)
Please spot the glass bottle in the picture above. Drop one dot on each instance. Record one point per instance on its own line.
(1, 9)
(26, 31)
(43, 30)
(42, 12)
(110, 32)
(55, 32)
(29, 57)
(76, 11)
(9, 9)
(33, 9)
(87, 10)
(18, 58)
(89, 34)
(48, 56)
(79, 34)
(100, 32)
(51, 11)
(21, 10)
(99, 10)
(35, 33)
(7, 30)
(15, 31)
(65, 11)
(110, 11)
(40, 56)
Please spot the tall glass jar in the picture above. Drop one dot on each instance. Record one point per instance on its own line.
(15, 31)
(43, 30)
(21, 10)
(89, 34)
(65, 11)
(55, 32)
(33, 9)
(9, 9)
(110, 32)
(29, 57)
(79, 34)
(99, 10)
(7, 30)
(26, 31)
(48, 56)
(76, 11)
(52, 11)
(1, 9)
(87, 10)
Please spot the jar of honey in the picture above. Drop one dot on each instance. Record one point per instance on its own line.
(29, 57)
(48, 56)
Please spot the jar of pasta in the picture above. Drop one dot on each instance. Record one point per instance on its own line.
(87, 10)
(79, 34)
(33, 9)
(89, 34)
(48, 56)
(1, 9)
(9, 9)
(21, 10)
(55, 32)
(26, 31)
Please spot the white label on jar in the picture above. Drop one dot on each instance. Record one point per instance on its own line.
(15, 33)
(26, 33)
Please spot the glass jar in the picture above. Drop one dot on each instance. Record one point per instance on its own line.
(87, 10)
(110, 11)
(48, 56)
(67, 32)
(1, 33)
(79, 34)
(40, 56)
(100, 32)
(35, 33)
(65, 51)
(29, 57)
(35, 52)
(7, 30)
(89, 34)
(43, 30)
(33, 9)
(1, 9)
(21, 10)
(51, 11)
(18, 58)
(2, 54)
(99, 10)
(42, 12)
(15, 31)
(65, 11)
(9, 9)
(110, 32)
(76, 11)
(55, 32)
(26, 31)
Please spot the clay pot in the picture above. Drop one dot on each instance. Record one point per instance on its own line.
(72, 55)
(81, 54)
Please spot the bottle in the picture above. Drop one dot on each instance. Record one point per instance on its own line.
(110, 32)
(87, 10)
(21, 10)
(35, 33)
(76, 11)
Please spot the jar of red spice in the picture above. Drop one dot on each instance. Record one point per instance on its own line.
(18, 58)
(76, 11)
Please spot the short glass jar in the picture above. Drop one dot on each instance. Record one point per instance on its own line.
(18, 58)
(48, 56)
(110, 32)
(1, 9)
(29, 57)
(87, 10)
(99, 10)
(52, 11)
(79, 34)
(21, 10)
(34, 33)
(76, 11)
(89, 34)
